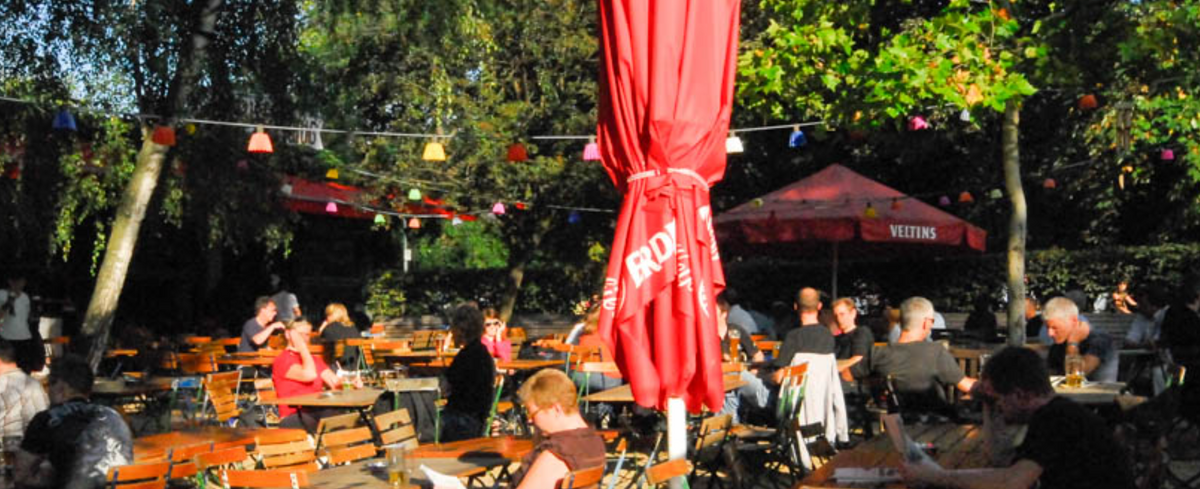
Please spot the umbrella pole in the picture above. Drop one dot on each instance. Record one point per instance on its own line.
(676, 434)
(835, 271)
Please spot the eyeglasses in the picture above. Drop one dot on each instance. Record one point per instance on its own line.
(492, 323)
(531, 413)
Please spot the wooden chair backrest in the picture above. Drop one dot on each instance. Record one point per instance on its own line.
(582, 478)
(276, 342)
(197, 340)
(348, 445)
(397, 427)
(265, 478)
(665, 471)
(222, 458)
(227, 342)
(182, 460)
(125, 475)
(335, 423)
(221, 389)
(713, 430)
(289, 449)
(425, 339)
(265, 389)
(196, 363)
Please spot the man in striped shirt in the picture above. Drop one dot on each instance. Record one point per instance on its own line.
(21, 397)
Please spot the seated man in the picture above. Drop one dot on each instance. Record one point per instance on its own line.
(567, 442)
(21, 397)
(1099, 354)
(754, 390)
(296, 372)
(74, 443)
(1065, 444)
(854, 343)
(918, 368)
(811, 336)
(470, 380)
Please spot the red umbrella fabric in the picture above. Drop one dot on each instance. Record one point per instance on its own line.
(666, 94)
(830, 206)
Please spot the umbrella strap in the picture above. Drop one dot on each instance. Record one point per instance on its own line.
(654, 173)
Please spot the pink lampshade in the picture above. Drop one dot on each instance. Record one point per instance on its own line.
(331, 208)
(1167, 154)
(591, 152)
(498, 208)
(917, 123)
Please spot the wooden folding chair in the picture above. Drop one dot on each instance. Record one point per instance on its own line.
(207, 463)
(340, 439)
(583, 478)
(182, 460)
(221, 389)
(710, 441)
(265, 390)
(285, 449)
(139, 476)
(396, 427)
(665, 471)
(294, 479)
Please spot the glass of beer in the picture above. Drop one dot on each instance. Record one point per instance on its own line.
(1073, 367)
(397, 464)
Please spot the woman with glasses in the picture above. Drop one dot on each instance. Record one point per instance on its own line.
(566, 443)
(495, 336)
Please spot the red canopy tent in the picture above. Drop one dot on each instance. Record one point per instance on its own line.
(666, 94)
(830, 207)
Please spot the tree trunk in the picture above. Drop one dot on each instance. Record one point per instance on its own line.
(1011, 156)
(516, 275)
(97, 323)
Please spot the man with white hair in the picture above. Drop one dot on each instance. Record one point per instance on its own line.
(1062, 322)
(919, 368)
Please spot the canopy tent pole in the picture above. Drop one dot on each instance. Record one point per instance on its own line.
(835, 271)
(676, 434)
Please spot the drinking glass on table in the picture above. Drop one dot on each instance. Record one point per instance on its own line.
(399, 466)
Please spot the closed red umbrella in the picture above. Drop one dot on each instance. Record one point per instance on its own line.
(666, 93)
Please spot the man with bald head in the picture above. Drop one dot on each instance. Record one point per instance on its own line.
(811, 336)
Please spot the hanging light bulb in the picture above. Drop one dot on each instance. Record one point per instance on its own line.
(260, 142)
(317, 144)
(456, 221)
(996, 194)
(965, 115)
(1167, 154)
(332, 174)
(870, 213)
(965, 198)
(944, 201)
(591, 152)
(498, 208)
(797, 139)
(574, 217)
(733, 144)
(414, 194)
(380, 219)
(896, 204)
(414, 223)
(517, 153)
(917, 123)
(1049, 184)
(434, 151)
(163, 136)
(331, 208)
(64, 121)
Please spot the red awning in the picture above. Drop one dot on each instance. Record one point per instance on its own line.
(666, 92)
(312, 197)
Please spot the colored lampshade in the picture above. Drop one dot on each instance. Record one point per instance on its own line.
(164, 136)
(574, 218)
(1167, 154)
(944, 201)
(520, 206)
(897, 205)
(965, 115)
(456, 221)
(332, 174)
(286, 189)
(917, 123)
(414, 223)
(1049, 183)
(260, 142)
(414, 194)
(317, 144)
(434, 151)
(757, 202)
(243, 165)
(331, 208)
(498, 208)
(190, 129)
(380, 219)
(517, 153)
(1088, 102)
(64, 121)
(797, 139)
(591, 152)
(733, 144)
(996, 194)
(870, 213)
(965, 198)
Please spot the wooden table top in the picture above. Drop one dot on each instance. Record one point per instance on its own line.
(120, 388)
(246, 361)
(361, 474)
(507, 447)
(624, 393)
(518, 364)
(958, 447)
(1091, 393)
(223, 437)
(353, 398)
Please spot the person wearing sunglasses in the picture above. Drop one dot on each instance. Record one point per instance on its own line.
(495, 336)
(566, 442)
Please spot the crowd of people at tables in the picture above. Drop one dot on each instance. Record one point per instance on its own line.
(68, 440)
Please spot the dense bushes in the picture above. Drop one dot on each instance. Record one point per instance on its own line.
(392, 293)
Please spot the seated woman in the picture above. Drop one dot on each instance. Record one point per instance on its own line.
(470, 380)
(591, 339)
(495, 336)
(296, 372)
(338, 326)
(567, 443)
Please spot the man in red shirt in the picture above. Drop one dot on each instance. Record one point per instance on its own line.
(297, 372)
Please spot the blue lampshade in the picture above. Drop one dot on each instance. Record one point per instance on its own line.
(797, 139)
(64, 121)
(574, 218)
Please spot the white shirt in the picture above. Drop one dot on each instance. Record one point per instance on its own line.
(16, 323)
(21, 397)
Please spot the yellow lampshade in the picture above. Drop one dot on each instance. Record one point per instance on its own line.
(434, 151)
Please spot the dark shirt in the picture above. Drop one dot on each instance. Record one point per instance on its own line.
(809, 338)
(857, 342)
(1074, 448)
(81, 440)
(285, 306)
(338, 331)
(471, 379)
(745, 343)
(1181, 334)
(1098, 344)
(250, 329)
(916, 367)
(1033, 327)
(580, 448)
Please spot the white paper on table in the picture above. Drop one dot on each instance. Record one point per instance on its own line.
(855, 475)
(440, 480)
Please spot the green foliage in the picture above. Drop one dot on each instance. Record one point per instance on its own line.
(470, 245)
(547, 290)
(94, 172)
(384, 297)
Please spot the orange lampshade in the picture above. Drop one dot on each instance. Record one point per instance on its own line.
(260, 142)
(965, 198)
(517, 153)
(414, 223)
(896, 205)
(164, 135)
(1088, 102)
(1049, 183)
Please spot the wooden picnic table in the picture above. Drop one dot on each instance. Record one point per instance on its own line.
(123, 388)
(372, 473)
(154, 446)
(517, 365)
(506, 447)
(624, 393)
(361, 400)
(246, 360)
(958, 447)
(1092, 393)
